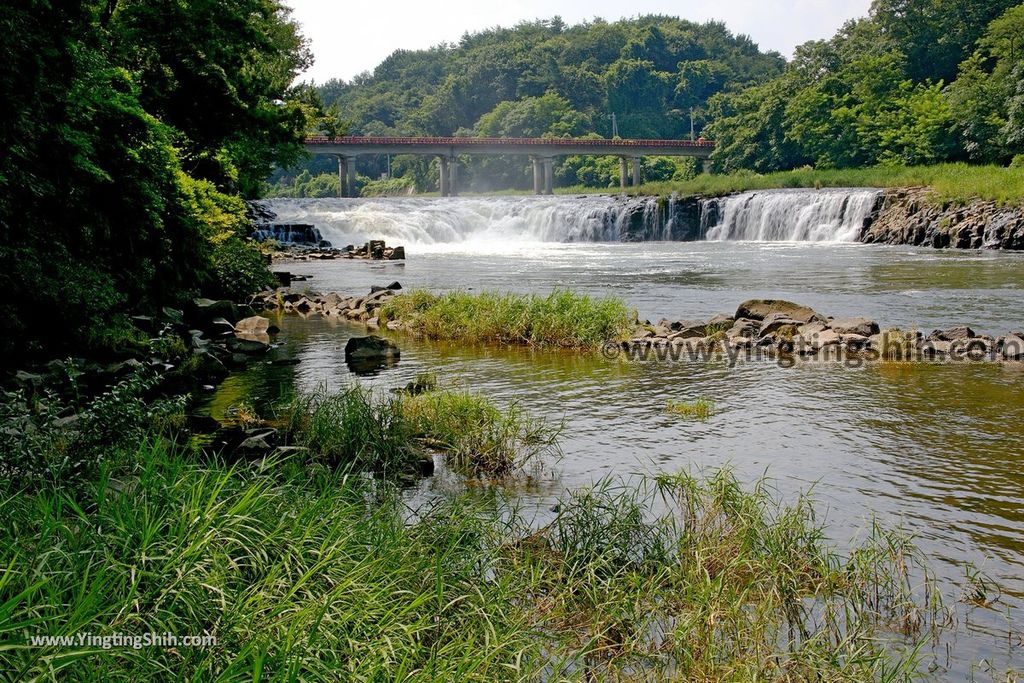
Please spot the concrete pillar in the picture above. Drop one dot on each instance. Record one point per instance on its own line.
(350, 165)
(537, 175)
(445, 190)
(453, 177)
(636, 171)
(549, 175)
(705, 166)
(342, 176)
(622, 174)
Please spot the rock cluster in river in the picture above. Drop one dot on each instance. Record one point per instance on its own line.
(356, 308)
(777, 326)
(911, 216)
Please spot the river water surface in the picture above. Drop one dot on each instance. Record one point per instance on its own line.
(935, 448)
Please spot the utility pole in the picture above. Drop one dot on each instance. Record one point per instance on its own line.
(692, 135)
(615, 125)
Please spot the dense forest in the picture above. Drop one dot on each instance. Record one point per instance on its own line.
(915, 82)
(546, 78)
(131, 130)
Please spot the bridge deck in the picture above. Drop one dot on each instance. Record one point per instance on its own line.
(543, 147)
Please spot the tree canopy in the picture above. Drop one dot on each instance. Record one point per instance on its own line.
(130, 127)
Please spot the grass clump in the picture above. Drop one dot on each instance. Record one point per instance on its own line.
(700, 408)
(561, 319)
(354, 429)
(478, 438)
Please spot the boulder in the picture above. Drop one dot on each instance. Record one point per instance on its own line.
(689, 329)
(759, 309)
(397, 254)
(721, 320)
(253, 344)
(744, 328)
(959, 333)
(370, 348)
(863, 327)
(204, 311)
(778, 324)
(368, 355)
(395, 285)
(252, 325)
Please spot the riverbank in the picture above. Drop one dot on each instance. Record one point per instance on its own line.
(285, 567)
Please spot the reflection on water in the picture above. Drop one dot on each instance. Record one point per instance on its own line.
(933, 447)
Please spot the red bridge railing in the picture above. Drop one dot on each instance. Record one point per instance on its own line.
(512, 142)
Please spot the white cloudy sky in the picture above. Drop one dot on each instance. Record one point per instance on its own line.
(351, 36)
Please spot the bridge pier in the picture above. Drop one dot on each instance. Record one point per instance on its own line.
(453, 177)
(623, 182)
(347, 176)
(538, 178)
(443, 185)
(549, 175)
(636, 171)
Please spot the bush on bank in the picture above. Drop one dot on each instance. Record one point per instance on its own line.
(562, 318)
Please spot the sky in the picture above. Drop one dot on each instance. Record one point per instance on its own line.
(351, 36)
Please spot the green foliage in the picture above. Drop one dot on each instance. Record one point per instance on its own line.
(562, 318)
(239, 269)
(128, 127)
(957, 183)
(389, 187)
(63, 438)
(877, 93)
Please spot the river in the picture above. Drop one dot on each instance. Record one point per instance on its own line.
(935, 448)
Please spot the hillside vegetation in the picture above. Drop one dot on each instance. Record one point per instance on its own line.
(915, 83)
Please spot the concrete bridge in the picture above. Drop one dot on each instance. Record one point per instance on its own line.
(541, 151)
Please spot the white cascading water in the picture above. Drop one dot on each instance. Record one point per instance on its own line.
(477, 220)
(485, 223)
(835, 215)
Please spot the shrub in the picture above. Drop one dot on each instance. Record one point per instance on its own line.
(239, 269)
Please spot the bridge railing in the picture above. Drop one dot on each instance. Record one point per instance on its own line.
(512, 142)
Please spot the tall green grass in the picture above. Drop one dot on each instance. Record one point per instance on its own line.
(303, 573)
(561, 319)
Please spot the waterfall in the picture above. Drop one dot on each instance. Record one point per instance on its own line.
(514, 220)
(837, 215)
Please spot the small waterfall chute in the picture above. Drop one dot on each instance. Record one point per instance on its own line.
(833, 215)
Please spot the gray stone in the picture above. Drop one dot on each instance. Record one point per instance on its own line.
(744, 328)
(863, 327)
(689, 329)
(778, 323)
(252, 325)
(759, 309)
(370, 348)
